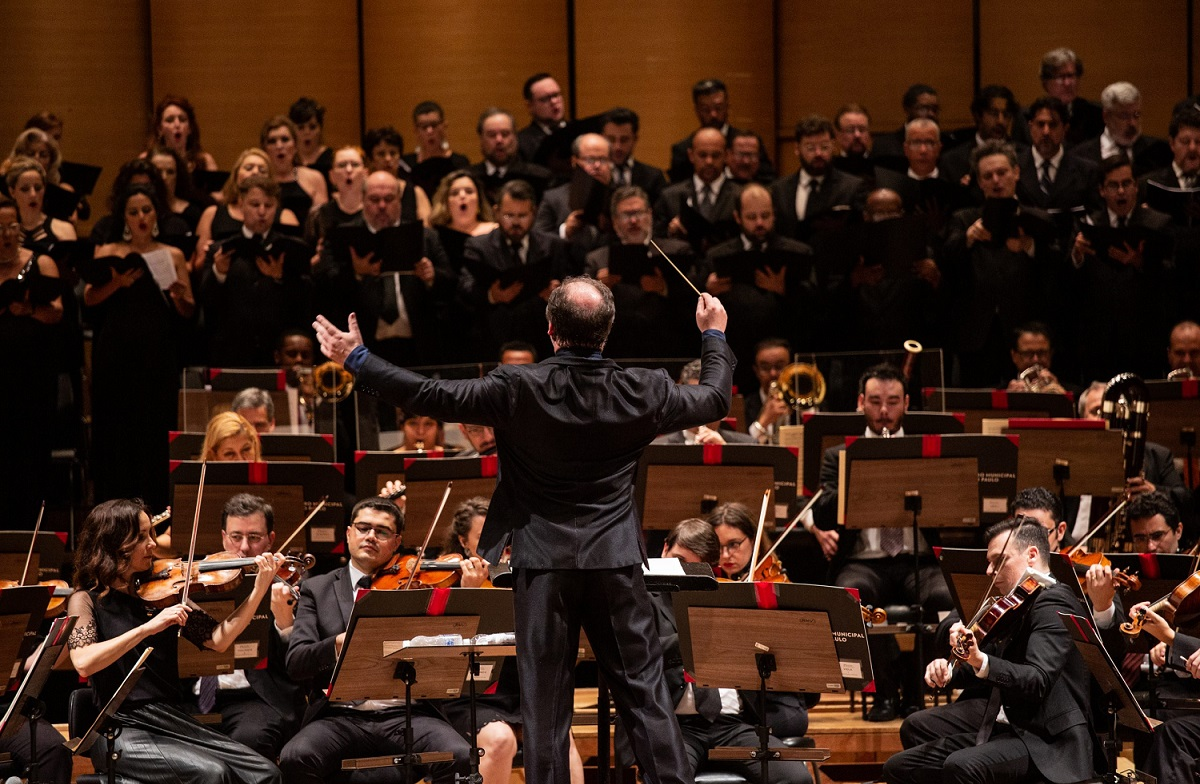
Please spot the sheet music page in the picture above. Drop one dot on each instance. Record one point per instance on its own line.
(161, 267)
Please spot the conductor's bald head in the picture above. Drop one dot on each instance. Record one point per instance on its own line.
(580, 312)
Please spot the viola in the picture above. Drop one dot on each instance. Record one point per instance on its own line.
(163, 585)
(58, 596)
(997, 617)
(1183, 602)
(1121, 579)
(770, 571)
(444, 571)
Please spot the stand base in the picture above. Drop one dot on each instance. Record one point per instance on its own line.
(398, 760)
(775, 753)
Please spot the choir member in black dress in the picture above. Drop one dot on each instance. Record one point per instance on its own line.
(28, 341)
(26, 181)
(181, 195)
(301, 189)
(172, 229)
(175, 125)
(433, 157)
(309, 118)
(158, 740)
(347, 177)
(135, 369)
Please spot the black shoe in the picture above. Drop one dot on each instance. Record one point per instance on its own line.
(907, 710)
(884, 709)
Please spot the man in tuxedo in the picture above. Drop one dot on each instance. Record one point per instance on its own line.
(544, 100)
(818, 190)
(336, 731)
(1121, 108)
(501, 160)
(621, 129)
(773, 291)
(398, 312)
(878, 562)
(569, 433)
(509, 272)
(920, 101)
(994, 108)
(1035, 676)
(852, 132)
(708, 192)
(1159, 189)
(652, 310)
(711, 102)
(1051, 179)
(1183, 347)
(1061, 71)
(590, 152)
(710, 717)
(1122, 290)
(995, 284)
(259, 708)
(924, 187)
(743, 157)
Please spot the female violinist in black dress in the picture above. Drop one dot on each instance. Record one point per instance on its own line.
(158, 740)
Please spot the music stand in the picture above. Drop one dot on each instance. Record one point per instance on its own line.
(767, 654)
(1176, 407)
(49, 555)
(980, 404)
(379, 625)
(106, 723)
(21, 612)
(1078, 456)
(27, 703)
(276, 447)
(1122, 706)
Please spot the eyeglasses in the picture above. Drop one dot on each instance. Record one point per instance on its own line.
(382, 534)
(767, 367)
(1153, 536)
(732, 547)
(1064, 77)
(1123, 185)
(1034, 354)
(811, 147)
(253, 539)
(595, 161)
(548, 97)
(632, 214)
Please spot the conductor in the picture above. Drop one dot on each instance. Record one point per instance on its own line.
(569, 433)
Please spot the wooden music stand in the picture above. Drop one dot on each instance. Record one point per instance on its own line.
(980, 404)
(49, 556)
(676, 481)
(821, 430)
(379, 625)
(21, 612)
(293, 489)
(270, 379)
(1077, 456)
(767, 653)
(1175, 414)
(276, 447)
(425, 478)
(965, 570)
(26, 703)
(197, 406)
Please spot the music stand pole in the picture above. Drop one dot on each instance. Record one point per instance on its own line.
(765, 662)
(33, 710)
(912, 503)
(474, 776)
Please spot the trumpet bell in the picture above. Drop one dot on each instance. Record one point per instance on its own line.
(332, 382)
(800, 385)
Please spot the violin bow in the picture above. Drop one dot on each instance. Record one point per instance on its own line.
(33, 541)
(668, 258)
(795, 521)
(283, 547)
(187, 570)
(1099, 527)
(762, 519)
(428, 536)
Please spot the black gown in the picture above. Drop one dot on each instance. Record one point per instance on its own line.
(158, 740)
(135, 383)
(32, 351)
(293, 197)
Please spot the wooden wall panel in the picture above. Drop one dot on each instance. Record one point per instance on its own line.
(869, 53)
(1140, 41)
(465, 56)
(241, 63)
(647, 54)
(87, 62)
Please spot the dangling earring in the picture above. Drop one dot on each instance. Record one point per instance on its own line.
(127, 235)
(154, 231)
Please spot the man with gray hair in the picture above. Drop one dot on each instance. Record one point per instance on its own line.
(256, 407)
(1121, 105)
(556, 214)
(1060, 73)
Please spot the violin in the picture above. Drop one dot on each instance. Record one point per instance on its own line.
(997, 617)
(163, 585)
(444, 571)
(769, 570)
(1182, 601)
(1121, 579)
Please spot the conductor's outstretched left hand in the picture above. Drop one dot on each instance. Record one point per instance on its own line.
(335, 343)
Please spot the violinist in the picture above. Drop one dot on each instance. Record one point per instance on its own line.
(878, 562)
(259, 708)
(1175, 745)
(336, 731)
(1155, 524)
(1033, 724)
(715, 717)
(1045, 507)
(158, 739)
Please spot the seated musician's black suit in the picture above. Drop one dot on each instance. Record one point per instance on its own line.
(569, 433)
(708, 726)
(332, 733)
(1175, 745)
(1040, 680)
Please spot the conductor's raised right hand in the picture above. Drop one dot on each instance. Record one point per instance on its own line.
(335, 343)
(710, 313)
